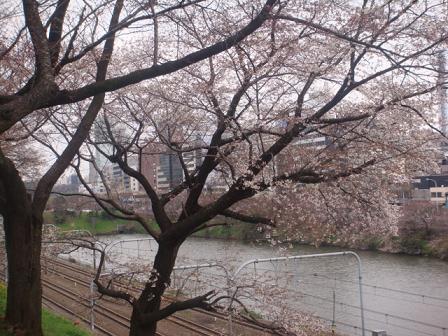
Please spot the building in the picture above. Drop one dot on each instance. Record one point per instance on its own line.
(170, 172)
(115, 178)
(443, 110)
(73, 179)
(149, 161)
(314, 140)
(434, 188)
(430, 188)
(102, 145)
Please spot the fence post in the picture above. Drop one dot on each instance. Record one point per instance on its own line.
(92, 305)
(333, 322)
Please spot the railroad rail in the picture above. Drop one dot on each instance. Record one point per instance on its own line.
(88, 275)
(107, 316)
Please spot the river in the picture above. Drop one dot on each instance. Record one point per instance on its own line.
(403, 295)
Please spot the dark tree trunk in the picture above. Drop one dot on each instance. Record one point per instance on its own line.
(138, 329)
(151, 297)
(23, 247)
(23, 308)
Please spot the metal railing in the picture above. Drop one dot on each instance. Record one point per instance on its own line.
(308, 256)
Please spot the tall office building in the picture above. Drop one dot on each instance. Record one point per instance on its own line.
(115, 178)
(169, 171)
(100, 138)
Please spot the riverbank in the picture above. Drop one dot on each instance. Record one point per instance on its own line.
(416, 244)
(97, 223)
(100, 223)
(419, 243)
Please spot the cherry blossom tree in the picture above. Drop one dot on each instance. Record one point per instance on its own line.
(321, 110)
(56, 65)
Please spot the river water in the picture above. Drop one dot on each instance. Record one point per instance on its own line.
(403, 295)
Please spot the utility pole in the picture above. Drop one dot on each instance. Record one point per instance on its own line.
(443, 116)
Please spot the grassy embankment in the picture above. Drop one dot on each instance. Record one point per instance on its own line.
(96, 223)
(236, 231)
(52, 324)
(99, 223)
(418, 243)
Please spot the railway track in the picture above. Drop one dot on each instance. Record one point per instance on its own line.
(103, 311)
(136, 289)
(70, 311)
(106, 316)
(179, 321)
(51, 303)
(122, 321)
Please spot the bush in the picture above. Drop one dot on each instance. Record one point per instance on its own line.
(440, 248)
(374, 243)
(59, 217)
(62, 216)
(105, 215)
(415, 244)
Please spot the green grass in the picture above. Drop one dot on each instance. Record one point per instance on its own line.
(97, 224)
(237, 231)
(52, 324)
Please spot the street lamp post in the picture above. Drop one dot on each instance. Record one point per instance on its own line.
(435, 185)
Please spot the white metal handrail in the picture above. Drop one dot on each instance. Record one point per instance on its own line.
(307, 256)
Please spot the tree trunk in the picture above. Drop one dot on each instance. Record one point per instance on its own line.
(138, 329)
(23, 247)
(151, 297)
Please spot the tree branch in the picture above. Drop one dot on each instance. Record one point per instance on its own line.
(137, 76)
(47, 182)
(197, 302)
